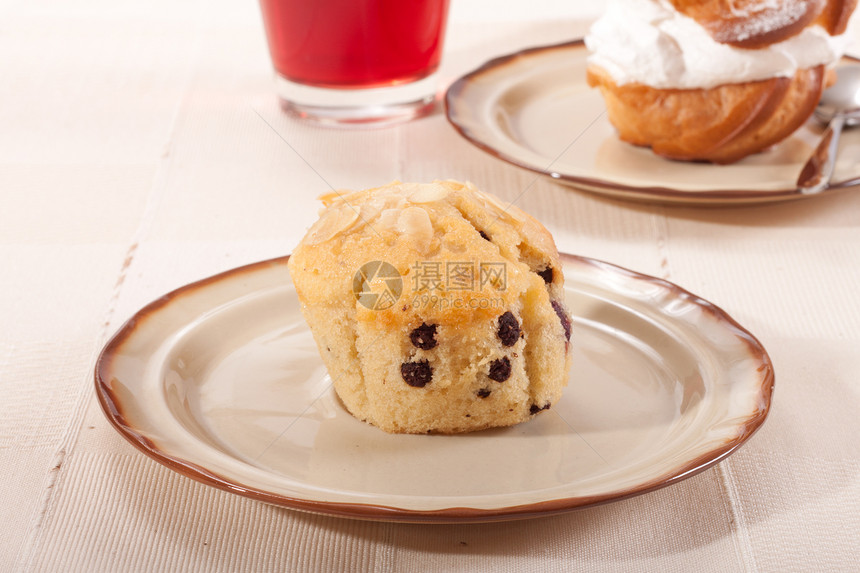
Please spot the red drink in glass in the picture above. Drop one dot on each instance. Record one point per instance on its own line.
(352, 45)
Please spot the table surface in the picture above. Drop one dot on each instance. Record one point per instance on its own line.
(142, 147)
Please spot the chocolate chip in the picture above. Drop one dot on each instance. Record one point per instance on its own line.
(509, 329)
(483, 393)
(416, 374)
(563, 317)
(534, 409)
(546, 275)
(424, 337)
(500, 370)
(484, 235)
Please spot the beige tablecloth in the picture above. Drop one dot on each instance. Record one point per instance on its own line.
(141, 148)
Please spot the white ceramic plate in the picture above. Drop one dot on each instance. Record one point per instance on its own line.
(534, 109)
(221, 381)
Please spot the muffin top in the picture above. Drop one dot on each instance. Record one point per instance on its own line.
(424, 232)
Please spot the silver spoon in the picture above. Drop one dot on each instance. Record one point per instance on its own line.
(839, 107)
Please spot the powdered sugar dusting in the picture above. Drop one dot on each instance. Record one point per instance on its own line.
(762, 17)
(747, 8)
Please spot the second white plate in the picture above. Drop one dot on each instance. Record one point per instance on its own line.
(534, 109)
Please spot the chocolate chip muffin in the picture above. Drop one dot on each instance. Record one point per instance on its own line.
(435, 307)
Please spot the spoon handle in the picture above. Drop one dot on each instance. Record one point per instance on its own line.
(816, 174)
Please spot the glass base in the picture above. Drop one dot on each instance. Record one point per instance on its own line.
(371, 107)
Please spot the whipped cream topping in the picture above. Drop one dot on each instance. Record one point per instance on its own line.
(648, 42)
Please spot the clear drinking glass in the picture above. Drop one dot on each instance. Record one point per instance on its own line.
(356, 61)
